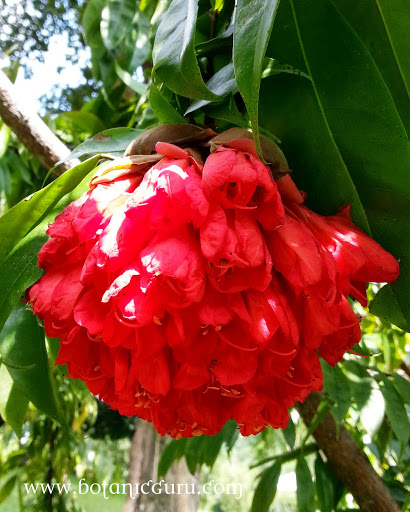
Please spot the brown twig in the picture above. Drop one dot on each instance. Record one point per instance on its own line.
(348, 461)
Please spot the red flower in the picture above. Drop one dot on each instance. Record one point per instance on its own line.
(187, 296)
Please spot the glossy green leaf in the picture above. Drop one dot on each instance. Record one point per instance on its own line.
(174, 46)
(162, 108)
(222, 83)
(336, 384)
(323, 485)
(341, 134)
(253, 25)
(17, 221)
(23, 349)
(266, 489)
(403, 386)
(381, 34)
(116, 16)
(113, 141)
(395, 409)
(305, 492)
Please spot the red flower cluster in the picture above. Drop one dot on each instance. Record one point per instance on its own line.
(199, 293)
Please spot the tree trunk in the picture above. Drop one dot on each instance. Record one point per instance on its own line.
(145, 452)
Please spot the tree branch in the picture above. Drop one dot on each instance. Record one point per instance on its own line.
(348, 461)
(30, 129)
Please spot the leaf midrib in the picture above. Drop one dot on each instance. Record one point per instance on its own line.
(325, 117)
(392, 46)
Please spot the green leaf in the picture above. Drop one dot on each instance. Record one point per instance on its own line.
(194, 453)
(174, 45)
(17, 221)
(253, 25)
(324, 485)
(174, 450)
(266, 489)
(290, 433)
(395, 409)
(305, 492)
(7, 484)
(113, 141)
(116, 16)
(336, 384)
(162, 108)
(22, 344)
(13, 402)
(383, 30)
(82, 122)
(360, 382)
(397, 22)
(138, 87)
(403, 386)
(91, 25)
(222, 83)
(342, 134)
(372, 413)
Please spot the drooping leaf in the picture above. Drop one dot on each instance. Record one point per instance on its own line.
(7, 483)
(342, 133)
(305, 492)
(23, 350)
(116, 16)
(395, 409)
(337, 386)
(290, 433)
(253, 25)
(360, 382)
(91, 25)
(372, 413)
(173, 451)
(174, 46)
(13, 402)
(324, 486)
(266, 489)
(17, 221)
(403, 386)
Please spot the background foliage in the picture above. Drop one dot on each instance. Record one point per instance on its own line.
(331, 84)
